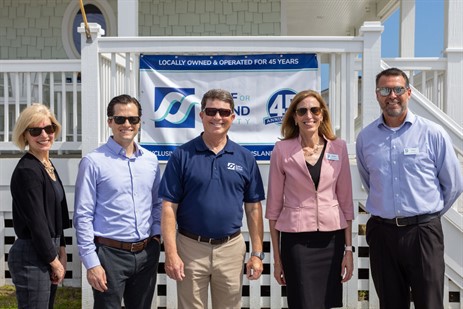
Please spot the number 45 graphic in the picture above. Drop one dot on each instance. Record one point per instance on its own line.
(279, 102)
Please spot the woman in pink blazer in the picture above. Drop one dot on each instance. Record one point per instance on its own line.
(310, 207)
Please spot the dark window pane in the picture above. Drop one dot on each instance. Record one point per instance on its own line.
(94, 15)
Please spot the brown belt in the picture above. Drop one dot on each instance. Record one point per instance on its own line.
(128, 246)
(212, 241)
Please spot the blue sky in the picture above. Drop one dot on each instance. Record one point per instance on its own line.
(429, 30)
(429, 33)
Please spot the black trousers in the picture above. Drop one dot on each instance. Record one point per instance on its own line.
(407, 261)
(312, 267)
(131, 276)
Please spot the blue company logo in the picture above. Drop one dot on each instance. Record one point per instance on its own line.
(277, 105)
(174, 107)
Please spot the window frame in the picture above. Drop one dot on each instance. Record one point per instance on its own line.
(68, 19)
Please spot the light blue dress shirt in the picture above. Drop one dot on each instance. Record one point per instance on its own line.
(410, 170)
(116, 197)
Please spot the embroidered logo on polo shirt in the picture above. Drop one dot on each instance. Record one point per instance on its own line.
(234, 167)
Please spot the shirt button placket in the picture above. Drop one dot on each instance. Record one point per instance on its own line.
(395, 172)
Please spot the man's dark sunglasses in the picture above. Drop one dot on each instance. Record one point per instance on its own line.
(313, 110)
(223, 112)
(385, 91)
(122, 119)
(37, 131)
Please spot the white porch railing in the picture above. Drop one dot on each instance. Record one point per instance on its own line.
(427, 75)
(110, 67)
(55, 83)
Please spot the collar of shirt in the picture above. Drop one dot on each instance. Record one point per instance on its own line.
(118, 149)
(410, 118)
(201, 146)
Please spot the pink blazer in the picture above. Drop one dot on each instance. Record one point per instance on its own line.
(292, 199)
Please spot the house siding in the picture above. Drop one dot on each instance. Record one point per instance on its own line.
(33, 29)
(206, 18)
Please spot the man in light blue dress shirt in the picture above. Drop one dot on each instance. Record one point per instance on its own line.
(412, 175)
(117, 213)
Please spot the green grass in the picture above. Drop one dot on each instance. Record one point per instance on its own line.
(66, 298)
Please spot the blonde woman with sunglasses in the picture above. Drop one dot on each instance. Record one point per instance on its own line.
(37, 259)
(310, 206)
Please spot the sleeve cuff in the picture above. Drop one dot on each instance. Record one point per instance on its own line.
(91, 260)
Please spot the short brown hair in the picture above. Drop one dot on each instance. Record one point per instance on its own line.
(32, 114)
(219, 94)
(393, 72)
(122, 99)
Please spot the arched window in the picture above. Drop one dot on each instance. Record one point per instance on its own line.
(94, 15)
(97, 11)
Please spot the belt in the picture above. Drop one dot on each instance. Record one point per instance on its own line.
(405, 221)
(127, 246)
(212, 241)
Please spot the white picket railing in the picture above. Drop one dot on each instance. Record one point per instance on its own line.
(52, 82)
(109, 67)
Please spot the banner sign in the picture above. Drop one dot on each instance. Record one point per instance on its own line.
(262, 86)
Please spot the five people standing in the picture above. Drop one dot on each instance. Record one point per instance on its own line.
(410, 170)
(406, 163)
(310, 207)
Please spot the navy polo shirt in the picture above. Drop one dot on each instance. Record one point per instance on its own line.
(210, 188)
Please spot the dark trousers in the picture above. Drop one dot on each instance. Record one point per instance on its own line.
(131, 276)
(407, 260)
(31, 276)
(312, 267)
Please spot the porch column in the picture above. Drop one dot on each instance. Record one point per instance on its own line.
(127, 18)
(371, 32)
(407, 29)
(454, 52)
(92, 126)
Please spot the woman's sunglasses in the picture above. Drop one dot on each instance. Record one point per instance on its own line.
(313, 110)
(122, 119)
(211, 112)
(37, 131)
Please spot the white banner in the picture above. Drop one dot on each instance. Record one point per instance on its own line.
(262, 85)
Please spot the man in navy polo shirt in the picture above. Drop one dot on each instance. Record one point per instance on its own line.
(204, 186)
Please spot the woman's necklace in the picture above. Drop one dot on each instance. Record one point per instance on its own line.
(46, 164)
(48, 167)
(313, 151)
(310, 153)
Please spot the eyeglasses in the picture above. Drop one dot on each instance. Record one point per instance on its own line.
(223, 112)
(316, 111)
(385, 91)
(122, 119)
(37, 131)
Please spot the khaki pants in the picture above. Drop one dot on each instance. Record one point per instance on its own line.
(221, 266)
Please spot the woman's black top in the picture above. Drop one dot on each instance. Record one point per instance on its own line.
(39, 213)
(315, 170)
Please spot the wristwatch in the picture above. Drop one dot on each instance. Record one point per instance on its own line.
(260, 255)
(349, 248)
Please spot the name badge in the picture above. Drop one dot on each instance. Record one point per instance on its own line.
(411, 151)
(332, 156)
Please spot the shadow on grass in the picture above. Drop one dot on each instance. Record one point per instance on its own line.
(66, 298)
